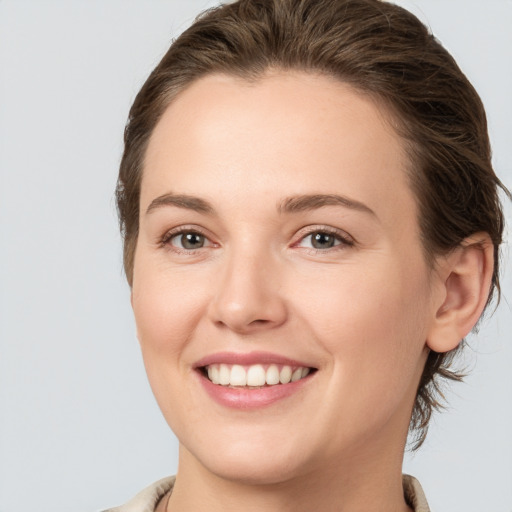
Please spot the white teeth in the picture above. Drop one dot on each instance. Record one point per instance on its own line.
(254, 375)
(297, 374)
(213, 374)
(224, 375)
(286, 375)
(272, 376)
(238, 375)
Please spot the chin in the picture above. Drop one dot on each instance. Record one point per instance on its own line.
(252, 461)
(243, 470)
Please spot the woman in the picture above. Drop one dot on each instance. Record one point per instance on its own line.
(311, 227)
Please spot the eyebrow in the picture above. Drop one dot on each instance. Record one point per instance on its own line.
(181, 201)
(292, 204)
(313, 201)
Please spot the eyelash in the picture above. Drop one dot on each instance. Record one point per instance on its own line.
(340, 236)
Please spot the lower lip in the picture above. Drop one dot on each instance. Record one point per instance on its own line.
(247, 398)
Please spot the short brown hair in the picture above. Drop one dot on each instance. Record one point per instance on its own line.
(380, 49)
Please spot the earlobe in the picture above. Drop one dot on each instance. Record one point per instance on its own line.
(466, 275)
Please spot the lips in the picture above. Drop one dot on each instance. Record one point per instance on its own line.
(251, 380)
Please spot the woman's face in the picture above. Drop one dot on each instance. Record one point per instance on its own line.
(279, 239)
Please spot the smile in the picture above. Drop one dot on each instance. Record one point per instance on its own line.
(254, 376)
(252, 380)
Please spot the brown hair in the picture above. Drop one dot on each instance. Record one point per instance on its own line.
(379, 48)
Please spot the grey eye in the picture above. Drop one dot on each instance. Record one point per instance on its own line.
(189, 241)
(322, 240)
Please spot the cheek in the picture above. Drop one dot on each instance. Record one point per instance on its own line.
(373, 321)
(166, 309)
(374, 330)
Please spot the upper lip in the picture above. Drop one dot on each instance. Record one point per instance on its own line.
(247, 359)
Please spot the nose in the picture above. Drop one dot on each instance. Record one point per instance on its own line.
(248, 295)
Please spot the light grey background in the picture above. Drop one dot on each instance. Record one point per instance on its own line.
(79, 429)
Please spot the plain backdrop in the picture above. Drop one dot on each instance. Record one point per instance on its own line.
(79, 429)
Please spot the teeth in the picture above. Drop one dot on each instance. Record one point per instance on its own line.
(255, 375)
(297, 374)
(272, 376)
(238, 376)
(213, 374)
(224, 375)
(286, 375)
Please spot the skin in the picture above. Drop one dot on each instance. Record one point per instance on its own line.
(361, 312)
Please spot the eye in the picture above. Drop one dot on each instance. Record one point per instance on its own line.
(186, 240)
(324, 240)
(321, 240)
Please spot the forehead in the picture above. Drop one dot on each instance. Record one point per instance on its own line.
(291, 132)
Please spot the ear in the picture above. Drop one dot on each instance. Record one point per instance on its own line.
(464, 280)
